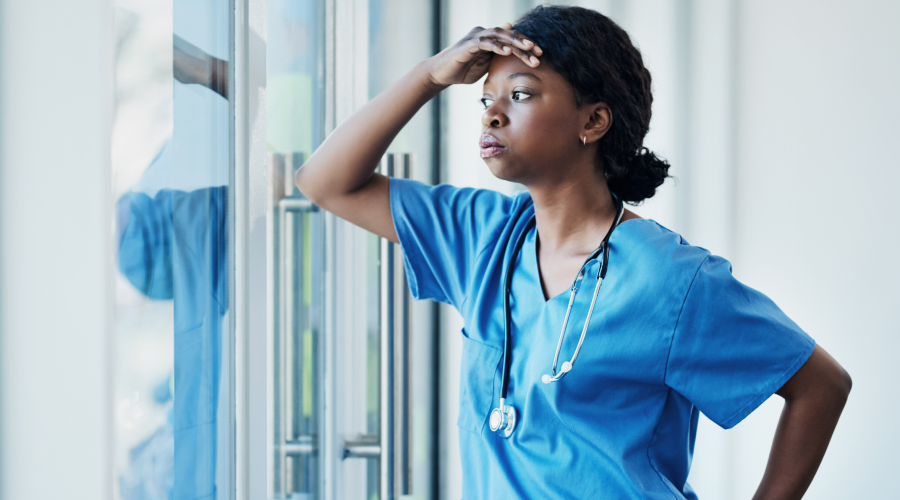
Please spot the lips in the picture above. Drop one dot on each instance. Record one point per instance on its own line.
(490, 146)
(488, 141)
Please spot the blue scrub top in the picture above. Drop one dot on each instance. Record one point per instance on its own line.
(673, 334)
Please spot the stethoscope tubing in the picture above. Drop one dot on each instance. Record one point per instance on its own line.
(504, 380)
(604, 249)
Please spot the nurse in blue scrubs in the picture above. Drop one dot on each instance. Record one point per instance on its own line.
(567, 106)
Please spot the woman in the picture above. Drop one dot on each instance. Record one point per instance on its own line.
(669, 334)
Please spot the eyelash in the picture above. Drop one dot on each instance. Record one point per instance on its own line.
(484, 99)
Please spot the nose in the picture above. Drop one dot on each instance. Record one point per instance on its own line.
(494, 116)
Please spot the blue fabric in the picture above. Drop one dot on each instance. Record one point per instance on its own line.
(175, 246)
(673, 334)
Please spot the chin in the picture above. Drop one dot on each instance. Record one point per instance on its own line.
(497, 168)
(501, 169)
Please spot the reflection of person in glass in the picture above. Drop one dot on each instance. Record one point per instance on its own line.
(174, 245)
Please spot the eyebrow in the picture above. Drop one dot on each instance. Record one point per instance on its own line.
(532, 75)
(514, 75)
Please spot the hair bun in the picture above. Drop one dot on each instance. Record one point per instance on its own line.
(600, 61)
(636, 178)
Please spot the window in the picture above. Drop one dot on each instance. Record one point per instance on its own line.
(171, 154)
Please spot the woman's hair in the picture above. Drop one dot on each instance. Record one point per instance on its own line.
(597, 57)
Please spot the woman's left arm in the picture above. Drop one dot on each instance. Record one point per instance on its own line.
(814, 398)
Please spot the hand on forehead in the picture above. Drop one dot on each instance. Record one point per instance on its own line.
(507, 67)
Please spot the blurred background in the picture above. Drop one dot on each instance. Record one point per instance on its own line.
(177, 321)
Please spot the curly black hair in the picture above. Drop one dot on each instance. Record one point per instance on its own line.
(597, 57)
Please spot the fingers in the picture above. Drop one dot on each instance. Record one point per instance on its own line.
(515, 35)
(524, 55)
(505, 42)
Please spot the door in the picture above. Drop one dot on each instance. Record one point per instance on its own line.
(351, 379)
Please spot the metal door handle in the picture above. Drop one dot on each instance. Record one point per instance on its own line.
(287, 204)
(365, 446)
(394, 466)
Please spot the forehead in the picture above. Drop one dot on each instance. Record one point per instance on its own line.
(511, 68)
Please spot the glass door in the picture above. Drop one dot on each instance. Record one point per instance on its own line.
(351, 356)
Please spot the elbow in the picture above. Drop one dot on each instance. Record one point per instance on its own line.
(834, 378)
(845, 384)
(302, 181)
(838, 388)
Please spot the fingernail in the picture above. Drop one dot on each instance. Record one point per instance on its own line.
(534, 60)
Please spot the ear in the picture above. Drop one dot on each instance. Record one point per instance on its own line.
(599, 121)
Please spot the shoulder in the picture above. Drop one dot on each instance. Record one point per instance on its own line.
(418, 198)
(659, 253)
(658, 244)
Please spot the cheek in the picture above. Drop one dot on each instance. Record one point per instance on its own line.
(544, 133)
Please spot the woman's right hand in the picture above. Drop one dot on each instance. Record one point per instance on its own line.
(468, 60)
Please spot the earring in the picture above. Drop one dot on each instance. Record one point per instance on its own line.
(584, 140)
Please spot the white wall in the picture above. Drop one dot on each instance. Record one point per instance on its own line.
(55, 259)
(816, 214)
(778, 118)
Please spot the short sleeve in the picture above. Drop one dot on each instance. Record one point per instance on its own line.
(732, 347)
(157, 232)
(442, 231)
(145, 246)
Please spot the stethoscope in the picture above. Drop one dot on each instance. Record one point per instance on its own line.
(504, 417)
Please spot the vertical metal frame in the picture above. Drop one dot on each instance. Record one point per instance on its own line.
(394, 457)
(439, 41)
(388, 371)
(239, 392)
(328, 439)
(248, 246)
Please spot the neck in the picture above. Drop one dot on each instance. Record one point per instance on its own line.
(573, 215)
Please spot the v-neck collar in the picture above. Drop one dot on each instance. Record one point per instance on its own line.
(537, 268)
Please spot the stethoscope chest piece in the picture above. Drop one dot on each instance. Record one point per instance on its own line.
(503, 418)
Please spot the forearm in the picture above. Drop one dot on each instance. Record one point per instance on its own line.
(813, 405)
(347, 159)
(192, 66)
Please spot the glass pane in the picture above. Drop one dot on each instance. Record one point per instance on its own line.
(401, 35)
(384, 47)
(294, 112)
(171, 169)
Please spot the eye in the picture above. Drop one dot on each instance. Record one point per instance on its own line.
(485, 101)
(519, 92)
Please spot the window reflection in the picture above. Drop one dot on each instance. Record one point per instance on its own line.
(171, 171)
